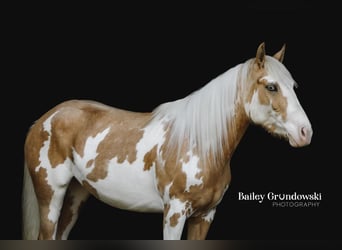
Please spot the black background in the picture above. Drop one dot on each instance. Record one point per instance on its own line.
(138, 56)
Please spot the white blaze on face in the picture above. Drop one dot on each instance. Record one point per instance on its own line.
(297, 124)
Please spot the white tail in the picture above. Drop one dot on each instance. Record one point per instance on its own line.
(30, 208)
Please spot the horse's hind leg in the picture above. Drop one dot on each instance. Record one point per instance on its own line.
(50, 187)
(76, 195)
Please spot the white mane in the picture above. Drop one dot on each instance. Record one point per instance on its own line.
(204, 115)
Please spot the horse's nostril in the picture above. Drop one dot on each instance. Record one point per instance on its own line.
(303, 131)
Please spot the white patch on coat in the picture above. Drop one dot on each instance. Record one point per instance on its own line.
(44, 151)
(166, 195)
(57, 177)
(89, 154)
(209, 217)
(191, 169)
(174, 232)
(127, 185)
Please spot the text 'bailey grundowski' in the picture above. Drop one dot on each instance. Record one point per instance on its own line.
(283, 199)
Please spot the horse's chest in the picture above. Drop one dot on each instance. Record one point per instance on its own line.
(192, 184)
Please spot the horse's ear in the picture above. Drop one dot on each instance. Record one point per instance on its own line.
(260, 56)
(280, 54)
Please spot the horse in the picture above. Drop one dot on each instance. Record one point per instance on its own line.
(174, 160)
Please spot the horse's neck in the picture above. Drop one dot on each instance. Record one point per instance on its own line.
(239, 121)
(212, 119)
(237, 126)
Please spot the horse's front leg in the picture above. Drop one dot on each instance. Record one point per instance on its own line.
(175, 214)
(198, 226)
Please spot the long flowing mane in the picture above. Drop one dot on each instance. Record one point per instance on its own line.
(204, 116)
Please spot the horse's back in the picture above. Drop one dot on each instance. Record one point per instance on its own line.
(71, 122)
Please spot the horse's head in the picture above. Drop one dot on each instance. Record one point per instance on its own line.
(271, 101)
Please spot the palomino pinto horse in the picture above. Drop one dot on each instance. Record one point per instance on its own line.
(174, 160)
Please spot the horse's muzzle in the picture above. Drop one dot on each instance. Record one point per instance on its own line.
(302, 137)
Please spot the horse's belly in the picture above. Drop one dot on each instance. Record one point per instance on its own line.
(126, 186)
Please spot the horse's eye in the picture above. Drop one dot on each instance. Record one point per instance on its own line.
(271, 87)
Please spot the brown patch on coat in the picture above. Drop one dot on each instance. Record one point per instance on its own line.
(150, 158)
(254, 76)
(64, 127)
(75, 190)
(170, 171)
(44, 194)
(90, 163)
(174, 219)
(201, 197)
(197, 228)
(279, 104)
(47, 227)
(263, 94)
(75, 122)
(120, 143)
(276, 99)
(66, 215)
(60, 142)
(43, 190)
(33, 144)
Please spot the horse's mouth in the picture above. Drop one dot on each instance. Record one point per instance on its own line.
(296, 143)
(292, 141)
